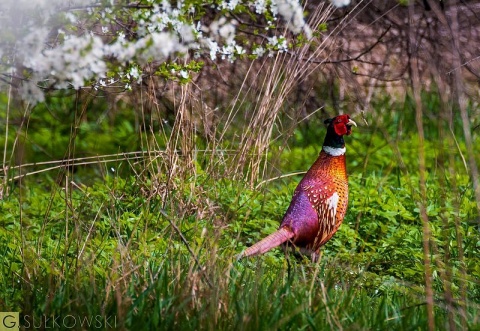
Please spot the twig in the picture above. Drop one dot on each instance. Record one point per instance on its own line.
(72, 162)
(279, 177)
(356, 58)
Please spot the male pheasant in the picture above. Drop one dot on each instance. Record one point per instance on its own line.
(320, 200)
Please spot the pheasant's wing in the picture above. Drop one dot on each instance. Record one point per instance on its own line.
(326, 198)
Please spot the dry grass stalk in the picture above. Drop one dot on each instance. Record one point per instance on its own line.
(416, 86)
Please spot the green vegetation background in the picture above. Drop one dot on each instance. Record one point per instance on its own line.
(122, 238)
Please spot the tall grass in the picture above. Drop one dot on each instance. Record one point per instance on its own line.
(155, 250)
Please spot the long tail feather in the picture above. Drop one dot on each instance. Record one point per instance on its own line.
(275, 239)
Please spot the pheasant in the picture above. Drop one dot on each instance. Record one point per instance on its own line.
(320, 200)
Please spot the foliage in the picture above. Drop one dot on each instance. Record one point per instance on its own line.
(144, 251)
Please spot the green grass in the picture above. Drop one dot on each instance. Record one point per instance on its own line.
(119, 256)
(147, 251)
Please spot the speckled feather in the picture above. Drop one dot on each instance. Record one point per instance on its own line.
(314, 220)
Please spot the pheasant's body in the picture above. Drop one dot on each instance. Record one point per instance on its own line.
(319, 203)
(320, 200)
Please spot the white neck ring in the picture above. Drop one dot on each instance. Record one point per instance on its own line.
(334, 151)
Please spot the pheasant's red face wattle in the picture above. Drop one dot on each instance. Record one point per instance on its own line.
(343, 125)
(340, 128)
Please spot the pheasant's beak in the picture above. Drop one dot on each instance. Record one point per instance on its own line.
(350, 123)
(349, 126)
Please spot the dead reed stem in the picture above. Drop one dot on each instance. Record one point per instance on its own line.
(275, 82)
(415, 79)
(462, 104)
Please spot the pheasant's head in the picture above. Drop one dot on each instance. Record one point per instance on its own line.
(337, 127)
(342, 124)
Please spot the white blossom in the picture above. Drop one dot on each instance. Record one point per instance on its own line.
(260, 6)
(340, 3)
(213, 48)
(239, 50)
(228, 52)
(278, 43)
(71, 58)
(292, 12)
(230, 5)
(31, 92)
(223, 29)
(134, 73)
(259, 51)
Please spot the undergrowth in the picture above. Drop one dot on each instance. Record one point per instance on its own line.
(143, 249)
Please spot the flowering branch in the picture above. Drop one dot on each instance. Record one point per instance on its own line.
(94, 44)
